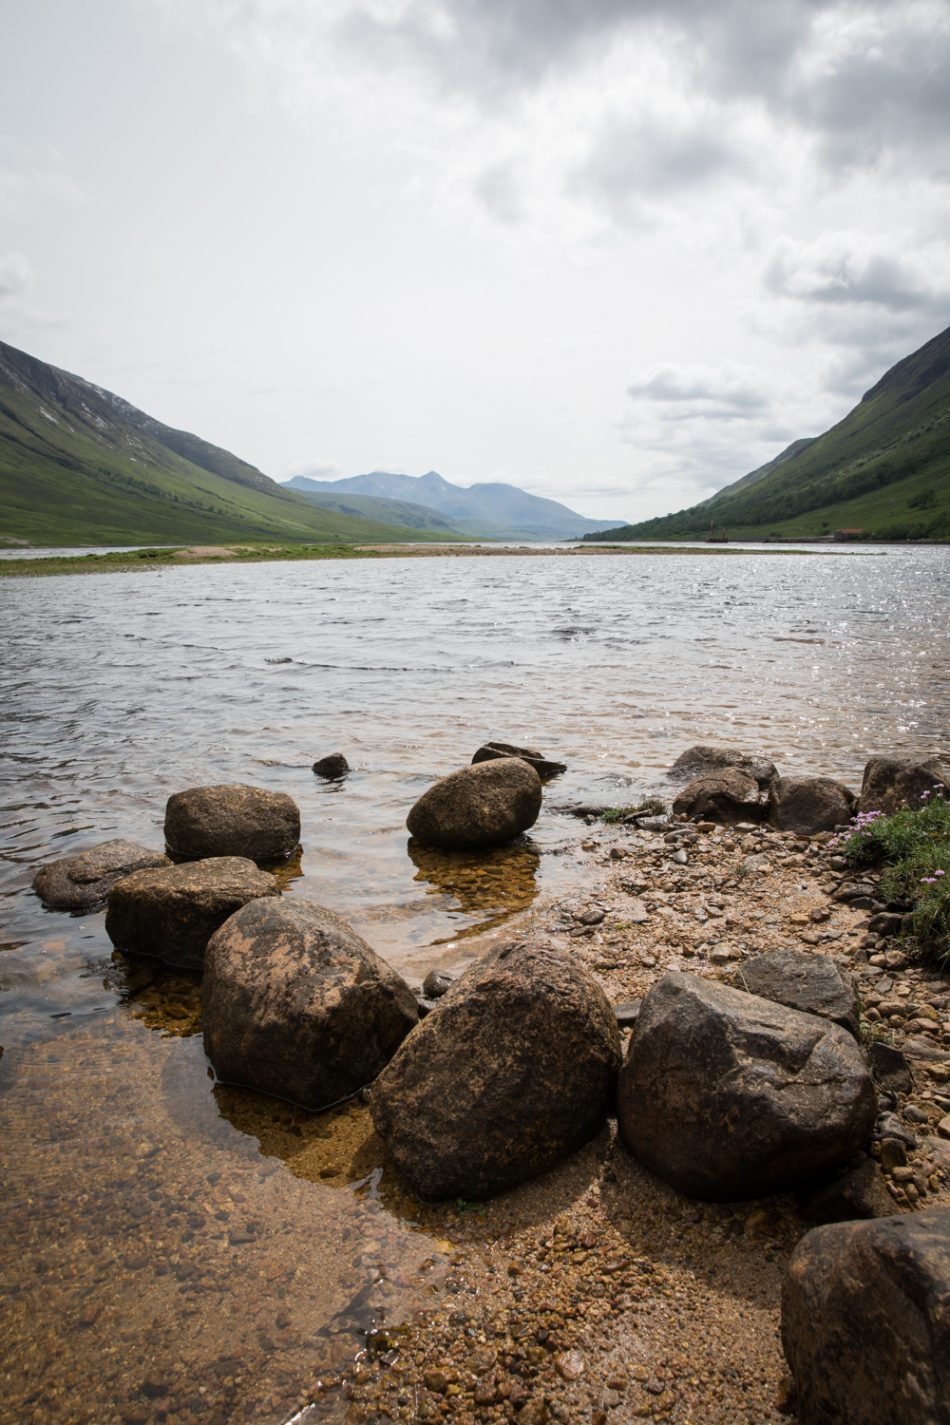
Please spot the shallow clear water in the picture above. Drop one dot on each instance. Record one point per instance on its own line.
(120, 689)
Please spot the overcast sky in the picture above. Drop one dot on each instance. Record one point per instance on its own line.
(618, 252)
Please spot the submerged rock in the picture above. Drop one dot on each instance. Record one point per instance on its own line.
(811, 983)
(891, 783)
(332, 767)
(866, 1322)
(727, 1095)
(232, 820)
(808, 805)
(296, 1004)
(83, 881)
(171, 913)
(490, 751)
(479, 806)
(729, 796)
(511, 1071)
(704, 761)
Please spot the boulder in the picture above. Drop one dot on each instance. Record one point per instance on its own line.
(479, 806)
(866, 1321)
(704, 761)
(729, 796)
(812, 983)
(232, 820)
(295, 1003)
(891, 783)
(727, 1095)
(173, 912)
(808, 805)
(545, 769)
(860, 1191)
(512, 1070)
(83, 881)
(437, 983)
(332, 767)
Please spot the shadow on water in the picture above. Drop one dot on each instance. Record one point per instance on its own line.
(491, 885)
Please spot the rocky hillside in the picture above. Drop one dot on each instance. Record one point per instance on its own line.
(881, 473)
(80, 465)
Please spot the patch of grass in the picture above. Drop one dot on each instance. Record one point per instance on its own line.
(650, 806)
(913, 848)
(134, 561)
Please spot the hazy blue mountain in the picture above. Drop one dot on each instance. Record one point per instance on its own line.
(491, 510)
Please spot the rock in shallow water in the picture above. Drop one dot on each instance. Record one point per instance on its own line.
(483, 805)
(232, 820)
(891, 783)
(866, 1322)
(84, 880)
(808, 805)
(728, 1096)
(490, 751)
(332, 767)
(512, 1070)
(296, 1004)
(172, 913)
(729, 796)
(704, 760)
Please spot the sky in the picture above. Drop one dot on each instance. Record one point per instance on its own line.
(617, 252)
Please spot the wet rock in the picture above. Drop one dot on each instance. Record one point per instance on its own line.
(83, 881)
(702, 760)
(512, 1071)
(891, 783)
(809, 805)
(545, 768)
(865, 1324)
(484, 805)
(437, 983)
(332, 767)
(232, 820)
(295, 1003)
(727, 1095)
(728, 797)
(810, 983)
(859, 1191)
(172, 912)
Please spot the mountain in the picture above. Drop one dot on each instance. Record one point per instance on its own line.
(79, 465)
(881, 473)
(395, 512)
(490, 511)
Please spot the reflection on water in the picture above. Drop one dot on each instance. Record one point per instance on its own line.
(200, 1255)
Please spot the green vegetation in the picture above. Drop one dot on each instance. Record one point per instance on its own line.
(913, 846)
(135, 560)
(79, 465)
(884, 471)
(650, 806)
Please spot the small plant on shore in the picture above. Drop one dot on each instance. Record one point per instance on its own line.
(650, 806)
(912, 846)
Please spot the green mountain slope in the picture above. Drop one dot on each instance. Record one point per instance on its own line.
(79, 465)
(398, 512)
(884, 471)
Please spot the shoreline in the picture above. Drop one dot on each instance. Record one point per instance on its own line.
(180, 556)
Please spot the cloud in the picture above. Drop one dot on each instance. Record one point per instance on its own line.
(727, 392)
(16, 274)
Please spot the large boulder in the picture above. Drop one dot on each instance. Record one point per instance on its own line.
(82, 882)
(296, 1004)
(232, 820)
(729, 796)
(727, 1095)
(172, 913)
(482, 805)
(811, 983)
(545, 768)
(704, 760)
(808, 805)
(866, 1322)
(511, 1071)
(891, 783)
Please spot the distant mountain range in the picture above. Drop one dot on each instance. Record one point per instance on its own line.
(881, 473)
(486, 511)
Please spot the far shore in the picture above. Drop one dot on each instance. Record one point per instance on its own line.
(138, 560)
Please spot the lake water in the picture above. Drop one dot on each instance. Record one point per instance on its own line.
(166, 1241)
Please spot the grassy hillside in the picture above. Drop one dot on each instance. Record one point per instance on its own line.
(883, 470)
(79, 465)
